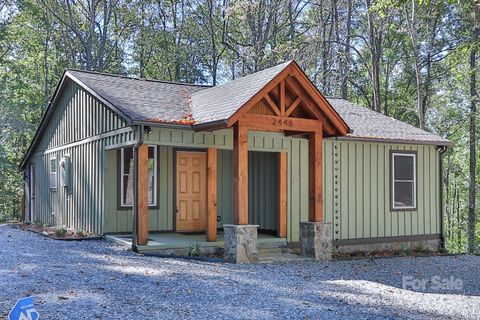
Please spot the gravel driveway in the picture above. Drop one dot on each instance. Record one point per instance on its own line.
(98, 279)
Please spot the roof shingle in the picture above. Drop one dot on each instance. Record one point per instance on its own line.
(221, 102)
(369, 124)
(159, 101)
(142, 100)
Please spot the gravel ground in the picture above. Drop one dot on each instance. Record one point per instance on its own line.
(98, 279)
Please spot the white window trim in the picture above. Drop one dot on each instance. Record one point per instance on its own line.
(122, 174)
(414, 156)
(51, 173)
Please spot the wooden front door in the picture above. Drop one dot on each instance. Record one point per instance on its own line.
(191, 191)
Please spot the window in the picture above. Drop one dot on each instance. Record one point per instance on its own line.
(126, 176)
(404, 181)
(53, 173)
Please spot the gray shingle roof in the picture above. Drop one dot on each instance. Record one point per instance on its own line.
(158, 101)
(141, 100)
(369, 124)
(221, 102)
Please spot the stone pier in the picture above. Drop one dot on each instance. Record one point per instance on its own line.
(316, 240)
(240, 243)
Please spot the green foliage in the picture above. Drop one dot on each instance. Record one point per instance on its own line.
(192, 249)
(81, 233)
(213, 41)
(60, 232)
(405, 251)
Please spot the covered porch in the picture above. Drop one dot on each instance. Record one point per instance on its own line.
(288, 104)
(175, 243)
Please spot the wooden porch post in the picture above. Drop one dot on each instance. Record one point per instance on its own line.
(282, 194)
(211, 194)
(315, 194)
(142, 196)
(240, 174)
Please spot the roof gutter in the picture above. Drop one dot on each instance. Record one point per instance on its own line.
(441, 151)
(135, 187)
(207, 126)
(399, 141)
(162, 125)
(211, 126)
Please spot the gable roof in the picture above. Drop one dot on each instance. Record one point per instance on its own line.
(141, 99)
(153, 102)
(221, 102)
(372, 125)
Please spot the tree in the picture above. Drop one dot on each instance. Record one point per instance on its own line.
(473, 131)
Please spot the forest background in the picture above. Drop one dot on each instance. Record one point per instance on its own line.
(414, 60)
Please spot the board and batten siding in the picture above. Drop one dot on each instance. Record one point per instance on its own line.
(80, 127)
(357, 191)
(356, 176)
(162, 219)
(356, 184)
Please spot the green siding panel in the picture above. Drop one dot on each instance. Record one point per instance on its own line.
(81, 127)
(356, 177)
(362, 204)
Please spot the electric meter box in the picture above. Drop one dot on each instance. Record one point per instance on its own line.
(65, 169)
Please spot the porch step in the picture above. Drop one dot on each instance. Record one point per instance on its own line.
(265, 249)
(282, 257)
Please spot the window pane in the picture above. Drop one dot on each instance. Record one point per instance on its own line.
(404, 194)
(127, 176)
(128, 190)
(151, 169)
(403, 167)
(127, 160)
(53, 165)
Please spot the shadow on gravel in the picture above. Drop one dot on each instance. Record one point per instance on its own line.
(101, 280)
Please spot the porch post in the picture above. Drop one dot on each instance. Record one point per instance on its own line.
(282, 194)
(142, 195)
(211, 194)
(240, 174)
(316, 235)
(240, 238)
(315, 194)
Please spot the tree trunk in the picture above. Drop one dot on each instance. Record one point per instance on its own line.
(473, 111)
(375, 45)
(346, 52)
(459, 222)
(411, 18)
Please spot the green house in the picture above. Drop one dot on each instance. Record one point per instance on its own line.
(146, 159)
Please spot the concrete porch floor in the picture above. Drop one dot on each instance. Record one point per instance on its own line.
(175, 241)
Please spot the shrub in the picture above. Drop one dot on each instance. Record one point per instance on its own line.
(60, 232)
(404, 250)
(192, 249)
(80, 233)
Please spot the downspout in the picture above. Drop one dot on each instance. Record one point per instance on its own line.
(441, 150)
(135, 187)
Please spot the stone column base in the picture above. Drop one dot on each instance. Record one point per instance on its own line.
(316, 240)
(240, 243)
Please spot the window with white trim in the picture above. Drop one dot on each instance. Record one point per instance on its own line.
(404, 181)
(126, 176)
(53, 173)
